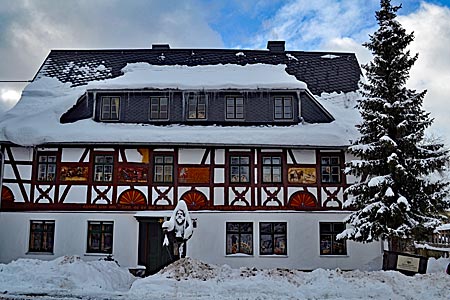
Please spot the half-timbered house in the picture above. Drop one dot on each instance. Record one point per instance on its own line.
(104, 143)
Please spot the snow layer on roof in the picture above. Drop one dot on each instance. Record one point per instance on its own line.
(35, 118)
(257, 76)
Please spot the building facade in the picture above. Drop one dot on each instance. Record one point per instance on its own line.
(104, 143)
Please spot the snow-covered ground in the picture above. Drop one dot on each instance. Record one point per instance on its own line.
(71, 278)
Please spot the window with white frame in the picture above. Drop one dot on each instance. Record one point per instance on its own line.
(271, 169)
(103, 167)
(46, 167)
(330, 168)
(196, 104)
(159, 108)
(283, 108)
(163, 166)
(110, 108)
(234, 107)
(239, 169)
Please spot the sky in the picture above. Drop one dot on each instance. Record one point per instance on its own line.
(29, 29)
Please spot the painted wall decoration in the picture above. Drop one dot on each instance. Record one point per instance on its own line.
(302, 199)
(74, 173)
(7, 194)
(132, 197)
(193, 175)
(133, 174)
(195, 200)
(302, 175)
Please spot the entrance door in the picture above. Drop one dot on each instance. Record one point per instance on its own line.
(152, 253)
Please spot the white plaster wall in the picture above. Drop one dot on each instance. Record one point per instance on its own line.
(305, 156)
(8, 172)
(73, 155)
(190, 156)
(21, 153)
(218, 196)
(76, 194)
(133, 155)
(219, 175)
(25, 171)
(208, 242)
(220, 156)
(70, 235)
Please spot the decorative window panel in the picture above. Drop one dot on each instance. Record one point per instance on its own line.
(110, 108)
(41, 236)
(239, 169)
(159, 108)
(283, 108)
(100, 237)
(330, 169)
(234, 107)
(273, 238)
(103, 168)
(196, 106)
(46, 167)
(239, 238)
(163, 168)
(271, 169)
(329, 245)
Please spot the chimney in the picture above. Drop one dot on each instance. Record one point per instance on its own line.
(276, 46)
(160, 46)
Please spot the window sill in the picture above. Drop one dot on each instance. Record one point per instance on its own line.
(273, 255)
(39, 253)
(97, 254)
(239, 255)
(334, 255)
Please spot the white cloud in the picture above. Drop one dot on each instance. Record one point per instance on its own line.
(345, 25)
(431, 26)
(30, 29)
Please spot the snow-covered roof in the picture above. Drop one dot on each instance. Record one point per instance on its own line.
(35, 120)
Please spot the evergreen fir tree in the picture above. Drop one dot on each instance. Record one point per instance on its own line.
(395, 197)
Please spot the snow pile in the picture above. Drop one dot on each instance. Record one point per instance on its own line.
(189, 268)
(437, 265)
(63, 274)
(70, 278)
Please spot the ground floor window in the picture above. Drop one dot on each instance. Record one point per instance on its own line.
(329, 245)
(239, 237)
(273, 238)
(42, 236)
(100, 237)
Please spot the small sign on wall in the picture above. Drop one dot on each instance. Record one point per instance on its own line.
(193, 175)
(302, 175)
(408, 263)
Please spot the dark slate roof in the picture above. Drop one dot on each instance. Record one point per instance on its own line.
(340, 72)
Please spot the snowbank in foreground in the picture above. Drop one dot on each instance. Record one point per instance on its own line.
(71, 278)
(63, 274)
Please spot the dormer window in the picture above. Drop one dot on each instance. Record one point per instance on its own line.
(283, 108)
(235, 107)
(110, 108)
(196, 106)
(159, 108)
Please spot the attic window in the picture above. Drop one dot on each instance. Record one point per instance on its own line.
(110, 108)
(159, 108)
(235, 107)
(196, 106)
(283, 108)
